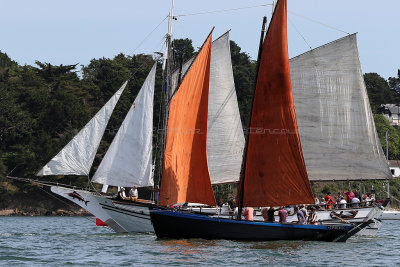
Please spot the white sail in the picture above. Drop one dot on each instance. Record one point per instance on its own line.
(175, 75)
(128, 161)
(76, 158)
(225, 138)
(335, 121)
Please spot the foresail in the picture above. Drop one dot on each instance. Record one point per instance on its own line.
(76, 158)
(225, 138)
(128, 161)
(185, 176)
(335, 121)
(275, 173)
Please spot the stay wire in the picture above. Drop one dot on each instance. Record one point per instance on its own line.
(148, 35)
(318, 22)
(220, 11)
(294, 26)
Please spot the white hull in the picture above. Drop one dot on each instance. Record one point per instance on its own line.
(390, 215)
(119, 216)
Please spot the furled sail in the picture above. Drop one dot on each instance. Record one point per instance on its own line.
(335, 121)
(76, 158)
(225, 138)
(128, 160)
(275, 173)
(185, 176)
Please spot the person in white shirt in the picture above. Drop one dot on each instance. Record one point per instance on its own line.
(355, 202)
(133, 193)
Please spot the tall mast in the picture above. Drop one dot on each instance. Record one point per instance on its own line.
(241, 185)
(167, 91)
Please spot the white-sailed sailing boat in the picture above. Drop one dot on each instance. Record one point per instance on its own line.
(128, 160)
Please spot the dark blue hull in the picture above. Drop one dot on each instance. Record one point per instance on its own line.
(176, 224)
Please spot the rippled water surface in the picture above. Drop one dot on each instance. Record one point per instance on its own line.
(51, 241)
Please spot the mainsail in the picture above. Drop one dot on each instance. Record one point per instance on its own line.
(225, 138)
(335, 121)
(76, 158)
(185, 176)
(275, 173)
(128, 160)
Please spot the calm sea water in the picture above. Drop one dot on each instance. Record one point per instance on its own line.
(51, 241)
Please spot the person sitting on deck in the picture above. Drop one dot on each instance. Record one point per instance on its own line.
(248, 214)
(282, 215)
(355, 202)
(342, 203)
(316, 200)
(338, 198)
(312, 219)
(349, 194)
(231, 203)
(220, 203)
(367, 200)
(264, 213)
(271, 214)
(300, 216)
(328, 201)
(304, 210)
(133, 193)
(121, 194)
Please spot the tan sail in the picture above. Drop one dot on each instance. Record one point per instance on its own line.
(275, 173)
(185, 176)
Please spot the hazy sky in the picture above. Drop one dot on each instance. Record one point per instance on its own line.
(76, 31)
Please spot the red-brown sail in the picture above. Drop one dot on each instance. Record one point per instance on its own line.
(185, 176)
(275, 172)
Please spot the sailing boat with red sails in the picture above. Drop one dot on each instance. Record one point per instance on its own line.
(273, 168)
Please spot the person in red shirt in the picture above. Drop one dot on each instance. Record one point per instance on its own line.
(349, 196)
(328, 201)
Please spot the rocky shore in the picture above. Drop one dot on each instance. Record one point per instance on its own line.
(38, 203)
(43, 212)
